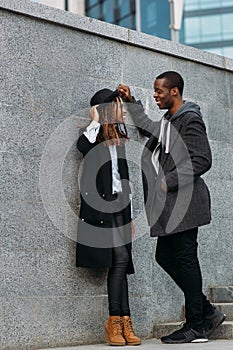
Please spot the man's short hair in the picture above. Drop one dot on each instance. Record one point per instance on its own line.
(173, 79)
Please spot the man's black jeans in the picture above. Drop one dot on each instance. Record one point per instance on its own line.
(177, 255)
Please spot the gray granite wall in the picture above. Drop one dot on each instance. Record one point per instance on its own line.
(51, 64)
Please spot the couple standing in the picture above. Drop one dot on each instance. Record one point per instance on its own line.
(177, 202)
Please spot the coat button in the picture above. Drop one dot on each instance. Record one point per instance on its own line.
(103, 195)
(82, 219)
(101, 222)
(86, 193)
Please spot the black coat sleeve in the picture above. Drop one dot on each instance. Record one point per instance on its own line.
(145, 125)
(83, 144)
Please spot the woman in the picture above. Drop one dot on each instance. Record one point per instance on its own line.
(105, 223)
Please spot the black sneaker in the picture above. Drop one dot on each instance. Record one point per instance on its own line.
(213, 321)
(185, 335)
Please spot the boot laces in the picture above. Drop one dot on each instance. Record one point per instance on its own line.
(129, 326)
(117, 327)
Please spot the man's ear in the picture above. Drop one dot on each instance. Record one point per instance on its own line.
(174, 91)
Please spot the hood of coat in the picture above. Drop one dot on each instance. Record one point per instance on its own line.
(186, 107)
(164, 136)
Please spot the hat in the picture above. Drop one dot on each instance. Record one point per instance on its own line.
(103, 96)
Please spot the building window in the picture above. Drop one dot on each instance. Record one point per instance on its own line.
(155, 18)
(211, 28)
(228, 51)
(208, 25)
(120, 12)
(227, 26)
(192, 30)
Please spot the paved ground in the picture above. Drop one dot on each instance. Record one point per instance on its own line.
(154, 344)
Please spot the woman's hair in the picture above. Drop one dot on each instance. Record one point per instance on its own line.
(112, 130)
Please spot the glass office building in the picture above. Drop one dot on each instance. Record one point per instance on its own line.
(153, 17)
(208, 25)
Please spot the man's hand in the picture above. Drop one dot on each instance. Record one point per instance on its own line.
(132, 229)
(94, 113)
(164, 186)
(124, 92)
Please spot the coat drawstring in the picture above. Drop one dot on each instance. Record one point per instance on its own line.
(162, 134)
(161, 139)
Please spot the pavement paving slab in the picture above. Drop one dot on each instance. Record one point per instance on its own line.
(155, 344)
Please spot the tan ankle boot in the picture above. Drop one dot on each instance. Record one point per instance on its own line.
(128, 332)
(113, 331)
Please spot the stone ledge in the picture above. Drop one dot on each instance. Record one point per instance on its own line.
(226, 308)
(113, 32)
(225, 331)
(222, 294)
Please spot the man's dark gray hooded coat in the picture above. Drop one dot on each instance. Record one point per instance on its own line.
(184, 156)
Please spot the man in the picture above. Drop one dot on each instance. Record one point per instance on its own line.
(177, 200)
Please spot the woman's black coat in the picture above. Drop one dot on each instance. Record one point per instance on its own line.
(95, 227)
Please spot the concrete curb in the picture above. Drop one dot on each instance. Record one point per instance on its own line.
(155, 344)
